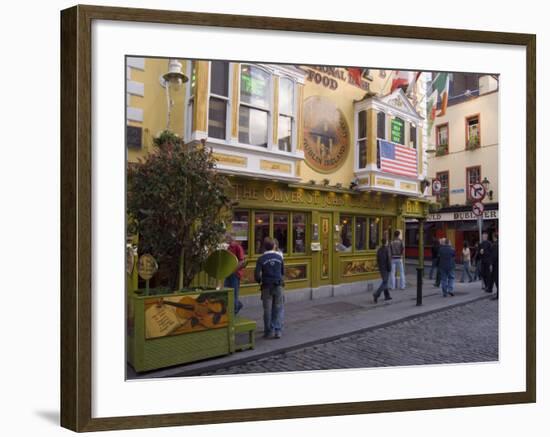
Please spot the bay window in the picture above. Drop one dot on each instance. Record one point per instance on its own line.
(254, 109)
(219, 99)
(286, 114)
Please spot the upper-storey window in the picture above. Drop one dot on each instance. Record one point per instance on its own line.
(442, 139)
(286, 114)
(381, 125)
(219, 99)
(362, 138)
(413, 135)
(255, 106)
(473, 132)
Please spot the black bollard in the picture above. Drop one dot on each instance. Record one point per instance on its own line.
(419, 276)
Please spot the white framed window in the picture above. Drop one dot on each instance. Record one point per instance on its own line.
(255, 105)
(286, 123)
(218, 100)
(362, 139)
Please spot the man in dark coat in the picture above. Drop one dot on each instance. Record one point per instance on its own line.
(447, 267)
(485, 259)
(384, 267)
(494, 266)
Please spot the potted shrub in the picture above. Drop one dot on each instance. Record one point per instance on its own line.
(441, 149)
(179, 205)
(473, 143)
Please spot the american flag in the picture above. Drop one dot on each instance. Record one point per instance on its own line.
(397, 159)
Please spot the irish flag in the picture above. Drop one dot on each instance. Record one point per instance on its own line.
(431, 109)
(441, 85)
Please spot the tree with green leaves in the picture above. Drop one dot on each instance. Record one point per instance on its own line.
(179, 204)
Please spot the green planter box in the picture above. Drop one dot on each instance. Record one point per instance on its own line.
(176, 328)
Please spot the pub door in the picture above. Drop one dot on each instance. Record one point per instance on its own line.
(325, 238)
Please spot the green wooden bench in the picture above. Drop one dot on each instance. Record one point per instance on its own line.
(242, 326)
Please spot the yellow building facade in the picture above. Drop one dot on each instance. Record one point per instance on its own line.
(307, 151)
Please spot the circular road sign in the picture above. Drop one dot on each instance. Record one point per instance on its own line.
(436, 186)
(477, 191)
(478, 208)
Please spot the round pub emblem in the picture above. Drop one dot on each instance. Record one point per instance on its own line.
(326, 134)
(147, 266)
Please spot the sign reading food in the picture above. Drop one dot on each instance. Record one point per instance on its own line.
(326, 134)
(182, 314)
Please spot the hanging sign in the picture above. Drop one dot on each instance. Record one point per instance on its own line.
(147, 266)
(436, 186)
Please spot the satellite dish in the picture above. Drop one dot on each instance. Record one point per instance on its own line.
(220, 264)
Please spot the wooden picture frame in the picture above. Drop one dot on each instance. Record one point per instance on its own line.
(76, 217)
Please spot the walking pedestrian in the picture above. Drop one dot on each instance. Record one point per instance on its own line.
(269, 274)
(466, 263)
(494, 266)
(485, 260)
(397, 249)
(384, 261)
(234, 279)
(447, 267)
(437, 282)
(435, 255)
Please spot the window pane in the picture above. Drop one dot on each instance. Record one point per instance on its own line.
(252, 126)
(398, 130)
(286, 96)
(299, 233)
(239, 228)
(254, 86)
(280, 230)
(473, 131)
(360, 233)
(412, 135)
(387, 229)
(261, 231)
(362, 125)
(374, 232)
(442, 135)
(219, 74)
(346, 234)
(381, 125)
(285, 133)
(217, 118)
(362, 153)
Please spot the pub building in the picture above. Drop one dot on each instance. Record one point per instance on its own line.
(311, 156)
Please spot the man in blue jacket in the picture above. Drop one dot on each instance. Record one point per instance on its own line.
(269, 274)
(447, 267)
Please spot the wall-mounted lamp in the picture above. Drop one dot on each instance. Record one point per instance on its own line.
(172, 82)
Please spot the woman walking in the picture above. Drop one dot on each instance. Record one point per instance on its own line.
(466, 263)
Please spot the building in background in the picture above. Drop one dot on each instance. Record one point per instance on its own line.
(463, 141)
(326, 160)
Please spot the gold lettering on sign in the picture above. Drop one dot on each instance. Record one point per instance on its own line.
(275, 166)
(385, 182)
(408, 186)
(236, 161)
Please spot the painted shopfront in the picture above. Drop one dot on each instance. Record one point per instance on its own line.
(310, 153)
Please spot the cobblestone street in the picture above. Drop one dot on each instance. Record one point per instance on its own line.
(461, 334)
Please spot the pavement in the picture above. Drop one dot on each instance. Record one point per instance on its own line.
(466, 333)
(323, 320)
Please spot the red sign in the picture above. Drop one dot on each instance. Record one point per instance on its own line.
(436, 186)
(478, 208)
(477, 191)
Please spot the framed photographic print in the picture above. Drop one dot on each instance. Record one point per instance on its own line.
(286, 218)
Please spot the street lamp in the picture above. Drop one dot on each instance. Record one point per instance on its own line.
(172, 82)
(487, 184)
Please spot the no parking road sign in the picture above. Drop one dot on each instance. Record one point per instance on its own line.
(478, 208)
(477, 191)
